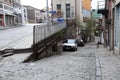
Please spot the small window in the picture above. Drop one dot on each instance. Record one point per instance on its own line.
(58, 6)
(10, 1)
(67, 10)
(1, 6)
(5, 0)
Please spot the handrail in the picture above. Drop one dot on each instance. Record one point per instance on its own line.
(41, 32)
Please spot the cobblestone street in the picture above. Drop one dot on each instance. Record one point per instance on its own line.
(36, 34)
(88, 63)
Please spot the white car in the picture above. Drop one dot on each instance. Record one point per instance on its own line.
(70, 44)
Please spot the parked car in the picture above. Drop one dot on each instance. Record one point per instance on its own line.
(70, 44)
(80, 42)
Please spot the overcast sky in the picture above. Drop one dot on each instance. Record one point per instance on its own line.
(94, 4)
(42, 3)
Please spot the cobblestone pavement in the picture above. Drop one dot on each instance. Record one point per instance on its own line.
(109, 64)
(88, 63)
(78, 65)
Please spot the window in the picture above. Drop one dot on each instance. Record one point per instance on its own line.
(58, 6)
(5, 0)
(25, 15)
(10, 1)
(67, 10)
(24, 10)
(1, 6)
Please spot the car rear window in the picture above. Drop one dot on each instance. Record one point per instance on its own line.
(70, 41)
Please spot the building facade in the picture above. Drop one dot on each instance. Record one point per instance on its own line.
(86, 4)
(33, 15)
(117, 27)
(24, 15)
(86, 8)
(69, 8)
(112, 23)
(6, 13)
(18, 12)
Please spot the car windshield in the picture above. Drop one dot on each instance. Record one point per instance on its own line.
(70, 41)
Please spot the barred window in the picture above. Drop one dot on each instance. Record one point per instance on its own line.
(58, 6)
(67, 10)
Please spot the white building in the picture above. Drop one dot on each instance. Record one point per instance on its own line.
(31, 15)
(18, 11)
(43, 15)
(24, 15)
(6, 13)
(69, 8)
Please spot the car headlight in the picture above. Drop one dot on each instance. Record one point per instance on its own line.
(81, 40)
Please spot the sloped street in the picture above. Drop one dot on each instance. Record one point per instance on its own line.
(16, 37)
(88, 63)
(79, 65)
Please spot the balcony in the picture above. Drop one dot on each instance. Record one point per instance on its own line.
(100, 26)
(102, 8)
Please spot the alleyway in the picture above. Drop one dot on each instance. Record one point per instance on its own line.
(88, 63)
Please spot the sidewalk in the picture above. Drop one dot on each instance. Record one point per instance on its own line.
(9, 27)
(3, 28)
(108, 64)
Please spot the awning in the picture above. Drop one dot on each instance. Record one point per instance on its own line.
(11, 14)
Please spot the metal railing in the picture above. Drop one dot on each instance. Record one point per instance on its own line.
(101, 5)
(41, 32)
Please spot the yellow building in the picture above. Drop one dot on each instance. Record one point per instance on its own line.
(86, 4)
(86, 8)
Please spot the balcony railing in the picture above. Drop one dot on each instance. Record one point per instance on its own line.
(41, 32)
(102, 7)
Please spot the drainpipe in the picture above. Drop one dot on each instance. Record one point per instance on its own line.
(47, 12)
(52, 9)
(75, 9)
(4, 15)
(76, 25)
(48, 27)
(52, 4)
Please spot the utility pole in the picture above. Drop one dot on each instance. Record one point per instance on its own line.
(52, 10)
(75, 10)
(47, 12)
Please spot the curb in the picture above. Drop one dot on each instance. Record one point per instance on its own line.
(98, 69)
(4, 28)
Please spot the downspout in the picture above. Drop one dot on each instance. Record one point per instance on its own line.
(4, 15)
(52, 9)
(76, 10)
(76, 15)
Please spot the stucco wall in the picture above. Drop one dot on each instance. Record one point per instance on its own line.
(86, 13)
(86, 4)
(117, 1)
(63, 3)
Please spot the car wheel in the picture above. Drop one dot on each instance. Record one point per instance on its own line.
(76, 49)
(63, 49)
